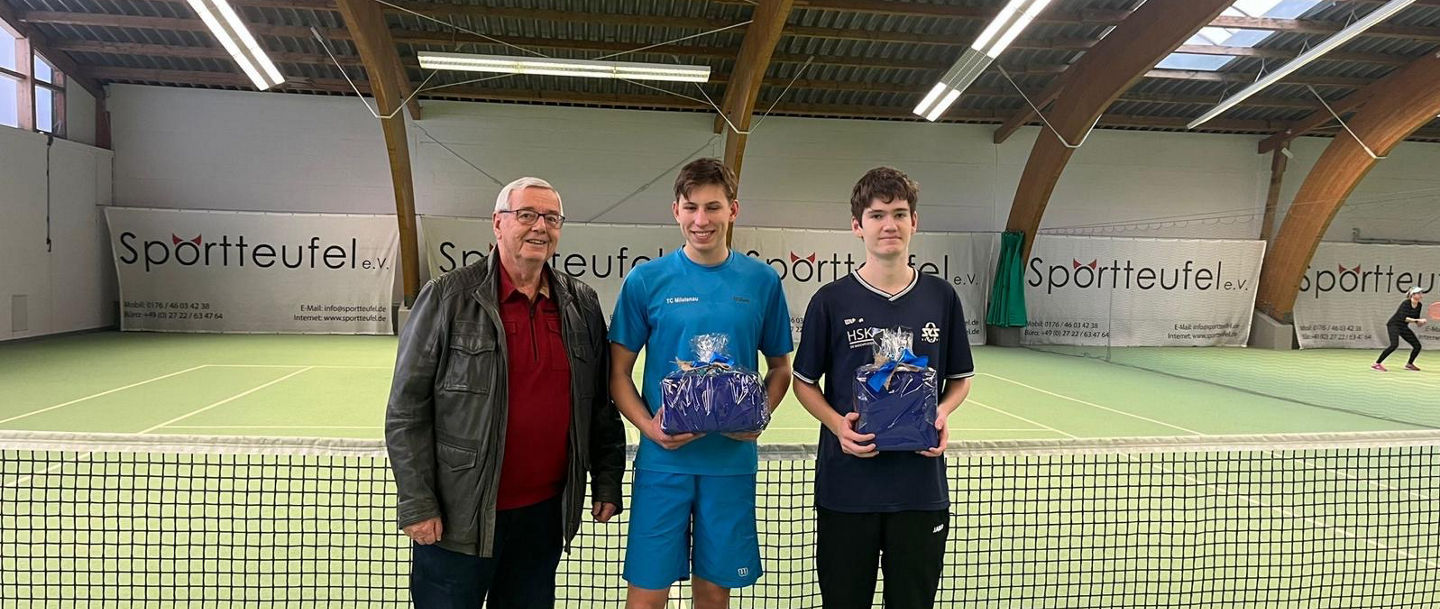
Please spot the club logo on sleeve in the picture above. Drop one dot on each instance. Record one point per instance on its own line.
(930, 333)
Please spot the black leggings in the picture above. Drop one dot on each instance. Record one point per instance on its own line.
(1397, 333)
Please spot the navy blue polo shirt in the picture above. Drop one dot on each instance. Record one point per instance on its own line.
(835, 340)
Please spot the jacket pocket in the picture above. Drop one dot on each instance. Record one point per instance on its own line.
(454, 458)
(459, 481)
(471, 365)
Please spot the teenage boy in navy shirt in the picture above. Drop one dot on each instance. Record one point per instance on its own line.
(873, 504)
(693, 497)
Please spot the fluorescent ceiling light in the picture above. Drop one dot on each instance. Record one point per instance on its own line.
(232, 33)
(1341, 37)
(583, 68)
(1007, 25)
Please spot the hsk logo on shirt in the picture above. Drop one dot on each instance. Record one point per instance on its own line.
(863, 338)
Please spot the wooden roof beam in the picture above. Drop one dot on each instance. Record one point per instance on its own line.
(372, 39)
(1394, 111)
(1322, 116)
(738, 107)
(1024, 114)
(1123, 57)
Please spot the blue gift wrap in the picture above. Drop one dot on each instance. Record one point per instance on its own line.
(709, 394)
(897, 397)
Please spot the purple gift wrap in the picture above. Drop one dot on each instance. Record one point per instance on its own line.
(709, 395)
(713, 400)
(902, 417)
(897, 396)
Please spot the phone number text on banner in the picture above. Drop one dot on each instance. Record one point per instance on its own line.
(602, 255)
(1141, 292)
(209, 271)
(1351, 289)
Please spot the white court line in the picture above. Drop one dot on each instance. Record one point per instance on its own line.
(23, 479)
(1279, 510)
(1094, 405)
(221, 402)
(102, 393)
(1038, 425)
(1310, 462)
(1400, 376)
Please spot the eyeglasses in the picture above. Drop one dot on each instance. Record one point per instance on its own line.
(529, 217)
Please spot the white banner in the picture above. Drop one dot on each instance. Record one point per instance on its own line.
(211, 271)
(602, 254)
(1141, 292)
(1351, 289)
(808, 259)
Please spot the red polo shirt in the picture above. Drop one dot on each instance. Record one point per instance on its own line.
(538, 426)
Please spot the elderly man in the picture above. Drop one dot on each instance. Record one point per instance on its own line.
(499, 406)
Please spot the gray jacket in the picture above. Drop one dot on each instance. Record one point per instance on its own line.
(445, 424)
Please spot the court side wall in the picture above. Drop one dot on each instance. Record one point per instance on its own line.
(192, 148)
(1398, 200)
(68, 284)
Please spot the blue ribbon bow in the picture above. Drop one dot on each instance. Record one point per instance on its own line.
(880, 380)
(714, 359)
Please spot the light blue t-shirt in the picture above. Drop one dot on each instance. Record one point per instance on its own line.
(666, 302)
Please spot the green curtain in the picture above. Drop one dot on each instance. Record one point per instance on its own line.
(1007, 296)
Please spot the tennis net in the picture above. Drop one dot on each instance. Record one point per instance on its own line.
(1340, 520)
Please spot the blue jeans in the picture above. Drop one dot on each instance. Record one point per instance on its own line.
(521, 575)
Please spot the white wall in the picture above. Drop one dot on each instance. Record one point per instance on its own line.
(260, 151)
(79, 114)
(1399, 199)
(69, 284)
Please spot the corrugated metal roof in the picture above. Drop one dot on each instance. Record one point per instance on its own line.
(860, 62)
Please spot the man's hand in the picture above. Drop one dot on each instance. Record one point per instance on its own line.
(850, 441)
(425, 532)
(942, 423)
(667, 441)
(603, 512)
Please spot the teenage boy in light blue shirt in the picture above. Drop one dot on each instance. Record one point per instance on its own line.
(693, 503)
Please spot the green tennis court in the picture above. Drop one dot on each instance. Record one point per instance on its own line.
(336, 386)
(234, 470)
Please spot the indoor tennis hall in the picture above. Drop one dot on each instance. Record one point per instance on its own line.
(1179, 231)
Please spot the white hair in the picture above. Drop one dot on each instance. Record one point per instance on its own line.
(502, 202)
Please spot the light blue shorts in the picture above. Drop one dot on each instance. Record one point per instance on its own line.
(669, 510)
